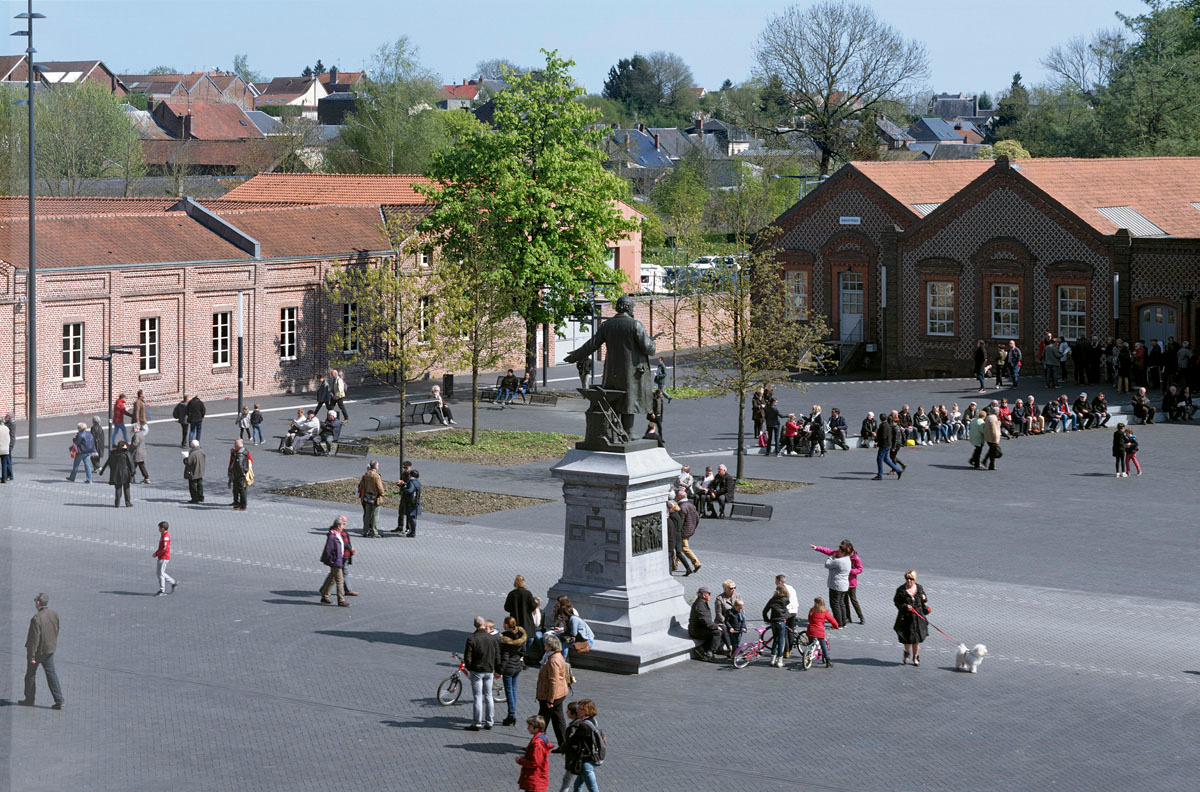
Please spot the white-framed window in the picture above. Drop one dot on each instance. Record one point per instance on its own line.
(349, 328)
(424, 317)
(220, 338)
(287, 333)
(425, 257)
(72, 352)
(797, 293)
(148, 345)
(939, 308)
(1006, 310)
(1072, 312)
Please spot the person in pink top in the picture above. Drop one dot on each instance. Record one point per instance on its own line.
(856, 568)
(816, 627)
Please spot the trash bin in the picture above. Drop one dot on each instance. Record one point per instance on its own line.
(447, 386)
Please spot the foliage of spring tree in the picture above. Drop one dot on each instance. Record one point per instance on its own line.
(394, 317)
(396, 126)
(478, 298)
(657, 89)
(494, 68)
(1003, 148)
(836, 62)
(554, 203)
(163, 70)
(752, 309)
(83, 132)
(241, 67)
(1012, 109)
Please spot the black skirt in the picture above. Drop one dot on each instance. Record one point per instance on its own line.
(910, 628)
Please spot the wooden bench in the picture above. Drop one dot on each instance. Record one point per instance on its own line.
(758, 511)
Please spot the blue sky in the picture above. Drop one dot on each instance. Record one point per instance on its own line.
(972, 46)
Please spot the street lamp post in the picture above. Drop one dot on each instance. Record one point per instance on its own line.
(31, 276)
(107, 357)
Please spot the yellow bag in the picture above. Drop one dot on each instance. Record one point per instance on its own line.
(910, 442)
(250, 475)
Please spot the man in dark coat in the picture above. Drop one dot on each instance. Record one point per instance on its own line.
(40, 645)
(240, 463)
(481, 657)
(180, 416)
(195, 418)
(412, 503)
(702, 628)
(193, 471)
(626, 362)
(771, 419)
(519, 605)
(120, 472)
(334, 557)
(324, 395)
(885, 435)
(724, 486)
(402, 483)
(137, 452)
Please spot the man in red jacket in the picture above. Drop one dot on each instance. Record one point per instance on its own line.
(163, 554)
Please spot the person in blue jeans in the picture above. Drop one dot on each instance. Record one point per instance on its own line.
(775, 613)
(508, 389)
(1013, 362)
(85, 446)
(584, 747)
(512, 661)
(735, 625)
(256, 420)
(883, 445)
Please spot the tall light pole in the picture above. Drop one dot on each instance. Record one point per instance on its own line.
(31, 276)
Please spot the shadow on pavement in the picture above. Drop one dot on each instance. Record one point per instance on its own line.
(130, 593)
(314, 601)
(489, 748)
(441, 640)
(866, 661)
(92, 505)
(447, 721)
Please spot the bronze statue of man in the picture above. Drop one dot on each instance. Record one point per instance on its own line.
(626, 362)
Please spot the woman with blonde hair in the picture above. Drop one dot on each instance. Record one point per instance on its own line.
(911, 607)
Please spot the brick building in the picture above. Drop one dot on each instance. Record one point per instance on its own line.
(163, 275)
(958, 251)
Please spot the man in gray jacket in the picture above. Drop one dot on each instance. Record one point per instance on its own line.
(1053, 359)
(193, 471)
(40, 644)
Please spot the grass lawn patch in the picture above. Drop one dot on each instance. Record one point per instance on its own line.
(764, 486)
(436, 500)
(496, 447)
(689, 392)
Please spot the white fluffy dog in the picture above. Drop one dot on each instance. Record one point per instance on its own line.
(969, 659)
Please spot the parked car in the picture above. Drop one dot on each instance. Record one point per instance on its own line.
(654, 279)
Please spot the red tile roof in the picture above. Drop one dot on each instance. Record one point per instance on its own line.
(309, 230)
(17, 206)
(469, 91)
(343, 78)
(1161, 189)
(215, 121)
(324, 188)
(246, 156)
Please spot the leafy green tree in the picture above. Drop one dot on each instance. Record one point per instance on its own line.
(83, 133)
(241, 67)
(318, 68)
(836, 62)
(495, 68)
(544, 174)
(682, 198)
(163, 70)
(1003, 148)
(632, 83)
(985, 101)
(1013, 107)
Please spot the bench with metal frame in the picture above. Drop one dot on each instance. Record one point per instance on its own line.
(352, 447)
(757, 511)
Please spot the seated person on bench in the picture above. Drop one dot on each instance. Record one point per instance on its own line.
(508, 389)
(723, 488)
(441, 410)
(301, 431)
(525, 387)
(331, 431)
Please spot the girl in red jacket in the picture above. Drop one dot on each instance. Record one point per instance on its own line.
(535, 764)
(816, 626)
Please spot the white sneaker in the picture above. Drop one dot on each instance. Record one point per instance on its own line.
(1139, 473)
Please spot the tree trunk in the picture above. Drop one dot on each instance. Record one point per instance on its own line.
(741, 447)
(403, 398)
(475, 396)
(825, 161)
(530, 345)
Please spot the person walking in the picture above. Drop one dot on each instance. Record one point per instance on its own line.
(512, 661)
(838, 568)
(898, 439)
(256, 420)
(337, 387)
(163, 554)
(535, 762)
(691, 521)
(816, 428)
(370, 495)
(1118, 451)
(334, 557)
(911, 629)
(412, 503)
(99, 440)
(243, 423)
(193, 471)
(775, 613)
(771, 419)
(5, 456)
(584, 752)
(119, 416)
(847, 549)
(340, 525)
(240, 474)
(660, 378)
(141, 416)
(120, 472)
(324, 395)
(818, 615)
(979, 365)
(1013, 361)
(137, 451)
(991, 436)
(552, 686)
(83, 447)
(195, 417)
(180, 416)
(675, 538)
(6, 451)
(40, 644)
(885, 435)
(519, 606)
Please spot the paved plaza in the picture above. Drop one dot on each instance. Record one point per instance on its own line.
(1081, 585)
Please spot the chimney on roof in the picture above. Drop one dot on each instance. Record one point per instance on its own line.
(657, 145)
(186, 131)
(627, 141)
(641, 127)
(332, 74)
(464, 81)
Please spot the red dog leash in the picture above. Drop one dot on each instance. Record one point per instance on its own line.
(931, 624)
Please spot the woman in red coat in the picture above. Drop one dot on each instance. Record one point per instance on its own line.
(535, 764)
(816, 626)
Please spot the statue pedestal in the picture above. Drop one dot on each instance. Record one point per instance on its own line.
(616, 565)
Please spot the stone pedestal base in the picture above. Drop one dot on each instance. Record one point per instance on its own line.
(616, 568)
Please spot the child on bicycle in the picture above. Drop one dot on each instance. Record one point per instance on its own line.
(817, 617)
(535, 764)
(735, 625)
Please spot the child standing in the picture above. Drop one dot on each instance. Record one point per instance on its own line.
(1131, 449)
(243, 423)
(735, 625)
(816, 626)
(1118, 451)
(256, 419)
(535, 764)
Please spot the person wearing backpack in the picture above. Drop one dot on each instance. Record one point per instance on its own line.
(535, 764)
(585, 749)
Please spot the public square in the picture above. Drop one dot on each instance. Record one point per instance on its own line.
(1080, 585)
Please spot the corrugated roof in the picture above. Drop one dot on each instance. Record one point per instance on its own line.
(331, 188)
(925, 208)
(1130, 219)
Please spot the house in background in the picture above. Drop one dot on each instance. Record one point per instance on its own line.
(336, 81)
(891, 137)
(302, 92)
(13, 69)
(199, 87)
(933, 130)
(459, 97)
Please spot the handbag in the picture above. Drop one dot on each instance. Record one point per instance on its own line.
(582, 646)
(250, 476)
(762, 439)
(73, 450)
(370, 498)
